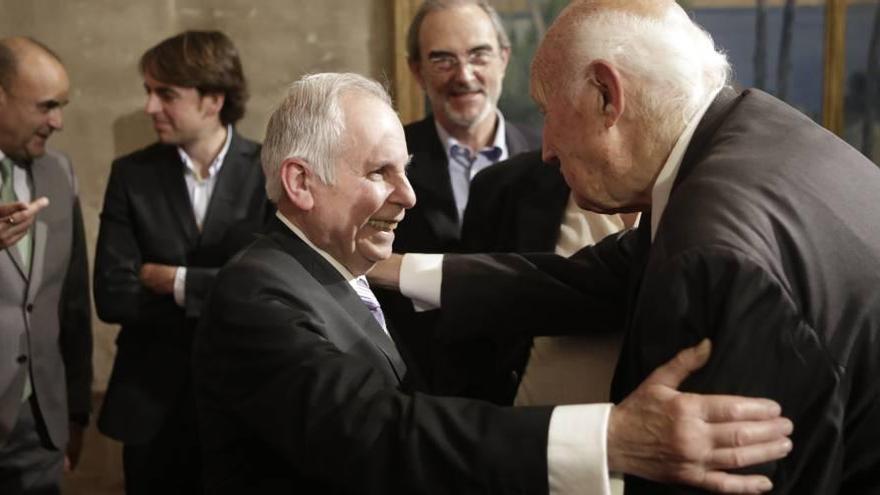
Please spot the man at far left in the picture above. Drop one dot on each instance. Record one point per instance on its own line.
(46, 336)
(174, 212)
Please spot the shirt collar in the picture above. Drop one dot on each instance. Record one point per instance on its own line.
(663, 185)
(330, 259)
(498, 142)
(218, 160)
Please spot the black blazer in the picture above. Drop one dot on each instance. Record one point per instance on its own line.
(515, 206)
(432, 226)
(148, 217)
(299, 391)
(769, 246)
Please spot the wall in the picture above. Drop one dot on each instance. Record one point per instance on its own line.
(100, 42)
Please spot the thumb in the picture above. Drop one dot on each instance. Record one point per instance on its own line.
(681, 366)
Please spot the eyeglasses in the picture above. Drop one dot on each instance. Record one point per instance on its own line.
(478, 58)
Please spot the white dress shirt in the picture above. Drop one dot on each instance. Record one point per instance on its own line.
(200, 190)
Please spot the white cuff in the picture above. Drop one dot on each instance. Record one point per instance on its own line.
(577, 460)
(420, 278)
(180, 286)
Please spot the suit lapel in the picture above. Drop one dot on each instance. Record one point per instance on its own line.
(429, 172)
(340, 290)
(628, 373)
(230, 180)
(170, 170)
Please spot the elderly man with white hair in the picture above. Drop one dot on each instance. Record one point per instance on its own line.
(759, 232)
(301, 389)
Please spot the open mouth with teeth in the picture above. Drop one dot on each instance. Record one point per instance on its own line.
(383, 225)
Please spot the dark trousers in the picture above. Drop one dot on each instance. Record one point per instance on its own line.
(170, 463)
(29, 463)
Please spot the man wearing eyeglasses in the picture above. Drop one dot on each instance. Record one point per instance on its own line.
(458, 52)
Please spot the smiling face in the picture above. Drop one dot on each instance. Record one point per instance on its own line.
(30, 109)
(180, 115)
(465, 94)
(354, 219)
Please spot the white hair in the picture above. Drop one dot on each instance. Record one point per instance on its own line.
(672, 61)
(309, 124)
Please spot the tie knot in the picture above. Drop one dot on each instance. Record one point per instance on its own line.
(362, 287)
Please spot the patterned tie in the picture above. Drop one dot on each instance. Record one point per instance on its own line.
(7, 195)
(362, 287)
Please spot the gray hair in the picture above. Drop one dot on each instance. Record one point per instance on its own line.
(310, 124)
(673, 60)
(413, 52)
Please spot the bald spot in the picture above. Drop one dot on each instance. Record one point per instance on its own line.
(550, 60)
(27, 56)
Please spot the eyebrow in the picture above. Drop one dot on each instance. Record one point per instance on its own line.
(445, 53)
(50, 104)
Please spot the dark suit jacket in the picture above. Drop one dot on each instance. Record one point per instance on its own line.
(432, 226)
(148, 217)
(45, 310)
(299, 391)
(769, 246)
(515, 206)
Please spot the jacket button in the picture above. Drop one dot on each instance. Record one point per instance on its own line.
(30, 308)
(21, 359)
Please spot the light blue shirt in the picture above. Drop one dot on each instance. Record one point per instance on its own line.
(464, 164)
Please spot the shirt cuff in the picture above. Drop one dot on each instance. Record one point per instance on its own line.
(180, 286)
(577, 460)
(420, 278)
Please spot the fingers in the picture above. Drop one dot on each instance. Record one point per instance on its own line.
(737, 457)
(721, 482)
(18, 213)
(731, 408)
(7, 209)
(683, 364)
(750, 432)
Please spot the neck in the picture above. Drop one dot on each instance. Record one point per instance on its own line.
(478, 135)
(205, 149)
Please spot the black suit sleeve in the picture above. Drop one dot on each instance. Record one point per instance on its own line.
(762, 347)
(261, 358)
(538, 294)
(119, 294)
(75, 320)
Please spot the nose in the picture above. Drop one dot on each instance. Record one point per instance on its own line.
(403, 193)
(152, 106)
(464, 71)
(56, 119)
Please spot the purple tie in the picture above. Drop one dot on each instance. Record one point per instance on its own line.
(362, 287)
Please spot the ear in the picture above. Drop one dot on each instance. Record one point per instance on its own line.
(415, 67)
(609, 85)
(297, 180)
(212, 103)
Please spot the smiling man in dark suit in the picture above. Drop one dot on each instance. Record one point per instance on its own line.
(458, 51)
(174, 212)
(300, 388)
